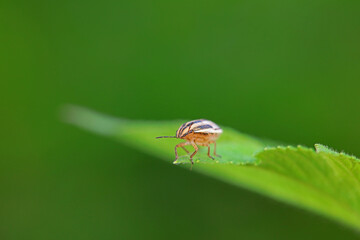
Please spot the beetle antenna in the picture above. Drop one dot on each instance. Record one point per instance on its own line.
(167, 137)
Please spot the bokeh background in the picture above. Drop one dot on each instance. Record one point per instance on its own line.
(284, 70)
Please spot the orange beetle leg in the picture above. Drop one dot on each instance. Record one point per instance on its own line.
(215, 150)
(196, 150)
(180, 145)
(209, 153)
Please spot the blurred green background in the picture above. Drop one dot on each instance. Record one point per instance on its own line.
(284, 70)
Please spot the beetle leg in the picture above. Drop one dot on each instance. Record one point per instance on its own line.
(209, 153)
(185, 149)
(196, 150)
(180, 145)
(215, 150)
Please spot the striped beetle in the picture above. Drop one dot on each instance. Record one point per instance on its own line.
(197, 132)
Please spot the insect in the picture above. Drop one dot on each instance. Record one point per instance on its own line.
(197, 132)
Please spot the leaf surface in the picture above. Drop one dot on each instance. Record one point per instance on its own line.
(323, 181)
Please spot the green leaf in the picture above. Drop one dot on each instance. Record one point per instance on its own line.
(323, 181)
